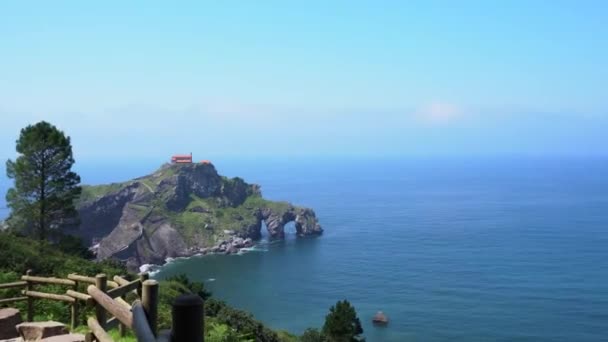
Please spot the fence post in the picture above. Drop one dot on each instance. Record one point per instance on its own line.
(188, 319)
(74, 320)
(149, 301)
(30, 300)
(122, 330)
(142, 277)
(101, 282)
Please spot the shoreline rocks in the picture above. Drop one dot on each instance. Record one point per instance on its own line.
(232, 245)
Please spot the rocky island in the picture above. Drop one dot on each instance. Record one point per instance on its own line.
(182, 210)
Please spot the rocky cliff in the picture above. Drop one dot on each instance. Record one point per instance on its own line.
(181, 210)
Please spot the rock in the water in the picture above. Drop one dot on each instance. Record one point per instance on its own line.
(35, 331)
(238, 242)
(305, 219)
(9, 318)
(380, 318)
(65, 338)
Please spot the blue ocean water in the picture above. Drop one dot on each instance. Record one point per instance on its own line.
(450, 250)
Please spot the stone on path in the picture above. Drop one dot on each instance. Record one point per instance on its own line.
(65, 338)
(9, 318)
(16, 339)
(35, 331)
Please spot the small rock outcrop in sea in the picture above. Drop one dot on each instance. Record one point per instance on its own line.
(182, 210)
(380, 318)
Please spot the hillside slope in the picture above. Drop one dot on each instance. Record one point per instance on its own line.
(182, 210)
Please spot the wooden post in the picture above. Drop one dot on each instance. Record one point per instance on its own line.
(149, 301)
(74, 320)
(101, 282)
(89, 337)
(116, 309)
(100, 334)
(188, 319)
(30, 300)
(122, 330)
(142, 277)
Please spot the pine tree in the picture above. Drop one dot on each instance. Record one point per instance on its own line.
(44, 185)
(342, 324)
(312, 335)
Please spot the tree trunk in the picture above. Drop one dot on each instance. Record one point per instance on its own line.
(41, 219)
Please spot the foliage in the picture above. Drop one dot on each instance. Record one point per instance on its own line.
(312, 335)
(224, 323)
(44, 185)
(286, 336)
(342, 323)
(129, 337)
(73, 245)
(90, 193)
(217, 332)
(114, 333)
(18, 254)
(193, 286)
(240, 320)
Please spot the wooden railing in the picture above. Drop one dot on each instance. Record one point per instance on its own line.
(108, 297)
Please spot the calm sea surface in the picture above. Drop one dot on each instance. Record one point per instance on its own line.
(450, 250)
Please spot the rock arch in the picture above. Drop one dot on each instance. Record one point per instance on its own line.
(305, 220)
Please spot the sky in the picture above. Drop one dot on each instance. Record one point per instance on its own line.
(307, 78)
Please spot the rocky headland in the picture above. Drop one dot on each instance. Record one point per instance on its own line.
(182, 210)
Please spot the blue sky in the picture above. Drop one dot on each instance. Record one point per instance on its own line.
(324, 78)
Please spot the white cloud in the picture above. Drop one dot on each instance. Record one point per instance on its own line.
(439, 113)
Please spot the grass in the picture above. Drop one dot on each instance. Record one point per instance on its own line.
(93, 192)
(18, 254)
(259, 202)
(114, 333)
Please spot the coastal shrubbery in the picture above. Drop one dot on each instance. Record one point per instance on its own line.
(341, 325)
(18, 254)
(222, 322)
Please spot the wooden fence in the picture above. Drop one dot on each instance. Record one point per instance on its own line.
(108, 297)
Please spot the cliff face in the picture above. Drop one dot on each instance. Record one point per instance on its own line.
(181, 210)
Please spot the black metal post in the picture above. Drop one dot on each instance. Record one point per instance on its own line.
(188, 319)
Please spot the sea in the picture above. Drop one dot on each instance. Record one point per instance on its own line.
(450, 249)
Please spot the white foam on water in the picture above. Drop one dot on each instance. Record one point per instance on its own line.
(150, 268)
